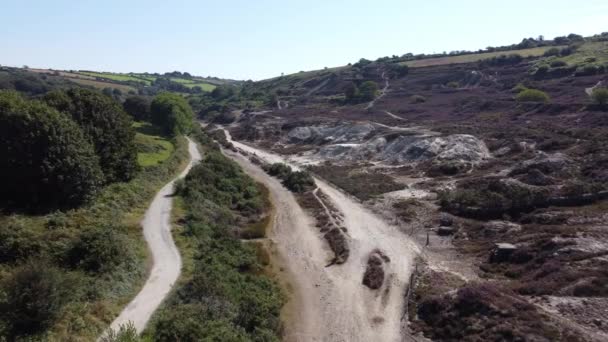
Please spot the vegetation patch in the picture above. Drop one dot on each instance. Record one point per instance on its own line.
(363, 185)
(71, 272)
(226, 297)
(152, 148)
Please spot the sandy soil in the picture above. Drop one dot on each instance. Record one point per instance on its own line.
(331, 303)
(166, 260)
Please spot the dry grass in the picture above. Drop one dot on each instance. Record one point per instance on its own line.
(533, 52)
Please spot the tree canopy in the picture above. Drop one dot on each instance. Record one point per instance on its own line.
(172, 113)
(138, 107)
(105, 125)
(46, 161)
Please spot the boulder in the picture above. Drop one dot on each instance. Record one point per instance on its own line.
(494, 228)
(502, 252)
(445, 231)
(445, 220)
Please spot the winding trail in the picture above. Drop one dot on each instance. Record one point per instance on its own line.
(382, 91)
(166, 259)
(331, 303)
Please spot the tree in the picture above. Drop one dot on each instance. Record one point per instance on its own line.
(105, 125)
(600, 96)
(172, 113)
(351, 92)
(369, 90)
(46, 161)
(138, 107)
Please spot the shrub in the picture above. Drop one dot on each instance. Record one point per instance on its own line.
(35, 297)
(106, 125)
(417, 99)
(600, 96)
(532, 95)
(173, 113)
(368, 90)
(299, 181)
(101, 249)
(503, 60)
(551, 52)
(558, 63)
(351, 92)
(453, 84)
(45, 160)
(278, 170)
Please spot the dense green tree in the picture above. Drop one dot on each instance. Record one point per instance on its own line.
(351, 92)
(138, 107)
(369, 90)
(105, 125)
(173, 113)
(46, 161)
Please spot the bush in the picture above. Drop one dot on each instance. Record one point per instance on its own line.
(173, 113)
(600, 96)
(368, 90)
(35, 295)
(45, 160)
(502, 60)
(453, 84)
(299, 181)
(100, 250)
(551, 52)
(278, 170)
(558, 63)
(417, 99)
(532, 95)
(106, 125)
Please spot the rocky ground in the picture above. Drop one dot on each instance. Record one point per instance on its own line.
(495, 192)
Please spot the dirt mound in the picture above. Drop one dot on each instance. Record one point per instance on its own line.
(374, 274)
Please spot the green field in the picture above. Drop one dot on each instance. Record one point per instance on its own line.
(152, 148)
(115, 77)
(597, 50)
(194, 83)
(102, 84)
(533, 52)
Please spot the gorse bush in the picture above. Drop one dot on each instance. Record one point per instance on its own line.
(45, 159)
(600, 97)
(298, 181)
(532, 95)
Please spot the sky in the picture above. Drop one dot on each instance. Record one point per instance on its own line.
(257, 39)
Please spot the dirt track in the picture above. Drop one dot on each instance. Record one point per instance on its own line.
(165, 255)
(330, 303)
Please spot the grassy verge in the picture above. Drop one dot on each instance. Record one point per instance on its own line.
(152, 147)
(81, 266)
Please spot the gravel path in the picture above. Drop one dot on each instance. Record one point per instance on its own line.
(331, 303)
(167, 262)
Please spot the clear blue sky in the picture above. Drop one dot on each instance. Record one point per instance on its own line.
(256, 39)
